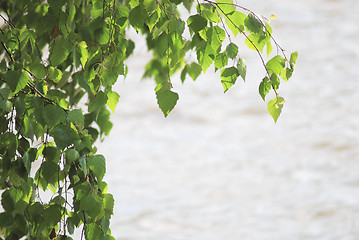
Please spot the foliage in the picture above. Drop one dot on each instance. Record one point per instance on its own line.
(56, 53)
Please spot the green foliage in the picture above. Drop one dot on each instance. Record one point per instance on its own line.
(58, 54)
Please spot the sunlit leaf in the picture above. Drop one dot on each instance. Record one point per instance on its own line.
(112, 100)
(276, 64)
(226, 6)
(235, 22)
(275, 107)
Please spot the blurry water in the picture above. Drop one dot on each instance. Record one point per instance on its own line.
(219, 168)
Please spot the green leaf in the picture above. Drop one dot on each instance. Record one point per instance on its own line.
(150, 5)
(264, 87)
(275, 81)
(49, 171)
(286, 73)
(242, 68)
(253, 24)
(229, 77)
(226, 6)
(166, 100)
(256, 41)
(83, 164)
(232, 50)
(53, 115)
(235, 22)
(54, 74)
(38, 70)
(93, 231)
(209, 12)
(76, 117)
(97, 164)
(293, 58)
(97, 9)
(51, 154)
(84, 53)
(138, 17)
(16, 80)
(108, 202)
(103, 121)
(71, 155)
(60, 50)
(103, 35)
(276, 64)
(61, 136)
(153, 19)
(194, 70)
(220, 61)
(196, 23)
(52, 214)
(112, 100)
(92, 205)
(275, 107)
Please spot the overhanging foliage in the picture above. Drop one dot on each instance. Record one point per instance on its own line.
(55, 53)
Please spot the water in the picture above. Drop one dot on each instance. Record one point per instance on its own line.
(219, 168)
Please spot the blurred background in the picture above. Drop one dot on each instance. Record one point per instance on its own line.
(219, 168)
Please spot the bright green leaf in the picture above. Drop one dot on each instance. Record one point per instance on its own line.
(226, 6)
(235, 22)
(84, 53)
(256, 42)
(276, 64)
(275, 107)
(112, 100)
(293, 57)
